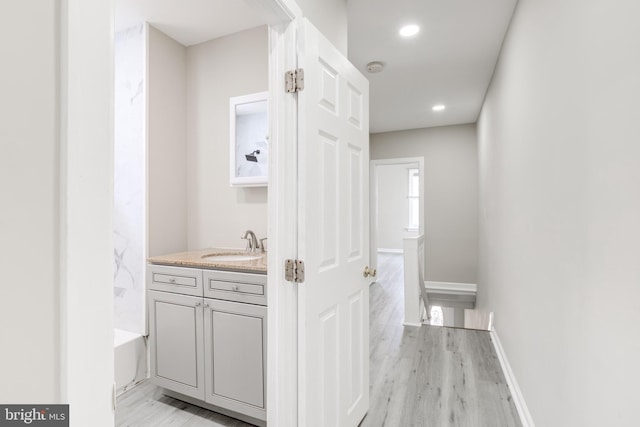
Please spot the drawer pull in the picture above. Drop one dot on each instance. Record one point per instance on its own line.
(234, 287)
(172, 280)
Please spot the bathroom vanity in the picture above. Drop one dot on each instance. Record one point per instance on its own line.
(208, 330)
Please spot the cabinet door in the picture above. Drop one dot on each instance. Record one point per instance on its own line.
(177, 342)
(235, 366)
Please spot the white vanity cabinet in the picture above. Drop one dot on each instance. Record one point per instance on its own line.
(212, 350)
(176, 340)
(235, 362)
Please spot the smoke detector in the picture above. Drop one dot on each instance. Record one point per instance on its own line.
(375, 67)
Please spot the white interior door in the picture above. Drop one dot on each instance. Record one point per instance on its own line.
(333, 233)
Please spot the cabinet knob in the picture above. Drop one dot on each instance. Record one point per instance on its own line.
(172, 280)
(234, 287)
(198, 304)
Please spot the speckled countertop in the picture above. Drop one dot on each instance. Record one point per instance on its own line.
(198, 259)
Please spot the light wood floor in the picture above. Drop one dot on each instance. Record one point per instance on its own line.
(423, 377)
(146, 406)
(430, 376)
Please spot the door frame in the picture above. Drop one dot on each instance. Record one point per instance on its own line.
(282, 298)
(85, 30)
(84, 85)
(373, 197)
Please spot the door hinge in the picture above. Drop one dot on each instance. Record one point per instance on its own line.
(294, 80)
(294, 270)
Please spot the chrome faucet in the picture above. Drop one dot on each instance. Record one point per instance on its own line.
(252, 241)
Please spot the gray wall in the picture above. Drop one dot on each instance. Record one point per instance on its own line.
(191, 204)
(560, 212)
(217, 70)
(330, 17)
(451, 195)
(55, 222)
(167, 144)
(29, 218)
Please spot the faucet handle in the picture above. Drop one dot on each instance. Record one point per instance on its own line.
(262, 244)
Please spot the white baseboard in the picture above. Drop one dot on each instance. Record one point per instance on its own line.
(516, 394)
(390, 251)
(411, 324)
(450, 287)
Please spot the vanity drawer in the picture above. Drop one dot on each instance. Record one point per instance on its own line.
(245, 288)
(187, 281)
(233, 286)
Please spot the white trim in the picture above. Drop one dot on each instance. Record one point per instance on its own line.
(282, 298)
(86, 209)
(277, 12)
(234, 102)
(413, 274)
(450, 287)
(145, 130)
(373, 199)
(411, 324)
(516, 393)
(390, 251)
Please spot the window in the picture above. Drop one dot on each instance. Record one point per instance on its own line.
(413, 198)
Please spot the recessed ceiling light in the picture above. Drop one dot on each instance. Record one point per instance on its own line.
(375, 66)
(409, 30)
(438, 107)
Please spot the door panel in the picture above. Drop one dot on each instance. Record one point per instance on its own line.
(355, 205)
(355, 349)
(329, 202)
(237, 352)
(235, 345)
(329, 368)
(175, 332)
(333, 168)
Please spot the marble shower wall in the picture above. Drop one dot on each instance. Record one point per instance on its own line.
(129, 181)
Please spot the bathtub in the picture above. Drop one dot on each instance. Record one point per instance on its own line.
(130, 354)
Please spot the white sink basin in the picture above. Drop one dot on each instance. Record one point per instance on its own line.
(231, 257)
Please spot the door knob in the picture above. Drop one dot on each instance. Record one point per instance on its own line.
(369, 272)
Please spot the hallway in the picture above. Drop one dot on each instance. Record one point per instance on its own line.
(423, 377)
(430, 376)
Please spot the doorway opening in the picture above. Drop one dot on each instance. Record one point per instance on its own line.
(397, 204)
(174, 108)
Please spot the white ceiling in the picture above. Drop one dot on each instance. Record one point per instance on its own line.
(189, 21)
(450, 61)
